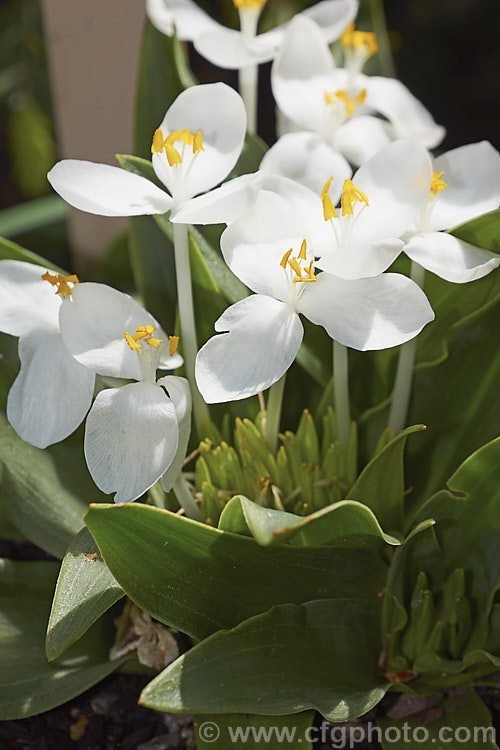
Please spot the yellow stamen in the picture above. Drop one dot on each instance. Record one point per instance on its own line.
(350, 195)
(173, 155)
(174, 343)
(157, 145)
(329, 211)
(329, 98)
(131, 341)
(284, 260)
(349, 104)
(303, 248)
(153, 342)
(197, 142)
(186, 137)
(437, 184)
(61, 282)
(357, 39)
(256, 4)
(174, 136)
(295, 265)
(360, 98)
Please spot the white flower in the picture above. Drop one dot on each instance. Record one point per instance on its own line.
(335, 102)
(228, 48)
(464, 185)
(194, 148)
(135, 434)
(52, 392)
(272, 251)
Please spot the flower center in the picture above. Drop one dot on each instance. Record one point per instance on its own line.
(253, 4)
(167, 145)
(346, 102)
(350, 195)
(437, 184)
(358, 47)
(144, 334)
(302, 272)
(61, 282)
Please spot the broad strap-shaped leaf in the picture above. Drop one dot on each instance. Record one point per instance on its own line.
(85, 590)
(381, 485)
(31, 215)
(468, 528)
(12, 251)
(199, 579)
(28, 684)
(320, 655)
(346, 522)
(481, 232)
(251, 729)
(459, 722)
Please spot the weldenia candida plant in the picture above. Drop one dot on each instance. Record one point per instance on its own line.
(290, 317)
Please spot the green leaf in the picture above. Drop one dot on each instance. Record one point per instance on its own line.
(320, 655)
(468, 528)
(462, 723)
(199, 579)
(12, 251)
(85, 590)
(46, 491)
(482, 232)
(252, 730)
(381, 486)
(346, 522)
(28, 684)
(32, 215)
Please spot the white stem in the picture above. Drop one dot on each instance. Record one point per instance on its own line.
(404, 373)
(341, 393)
(273, 415)
(248, 84)
(185, 498)
(186, 315)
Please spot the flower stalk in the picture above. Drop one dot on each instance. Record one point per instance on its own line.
(186, 315)
(273, 416)
(404, 373)
(341, 393)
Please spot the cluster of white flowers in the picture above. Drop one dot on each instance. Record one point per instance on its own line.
(304, 234)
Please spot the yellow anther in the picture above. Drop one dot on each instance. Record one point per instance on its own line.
(357, 39)
(173, 155)
(145, 330)
(186, 137)
(132, 342)
(197, 142)
(61, 282)
(174, 343)
(350, 195)
(284, 260)
(329, 98)
(329, 211)
(157, 145)
(349, 104)
(174, 136)
(310, 272)
(437, 184)
(303, 251)
(254, 4)
(295, 265)
(153, 342)
(360, 98)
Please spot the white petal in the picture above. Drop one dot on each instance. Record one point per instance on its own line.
(232, 50)
(472, 174)
(451, 258)
(52, 392)
(301, 74)
(93, 324)
(406, 113)
(180, 394)
(362, 137)
(366, 314)
(263, 337)
(362, 261)
(218, 112)
(182, 16)
(131, 438)
(105, 190)
(222, 205)
(332, 16)
(254, 245)
(396, 182)
(26, 301)
(306, 158)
